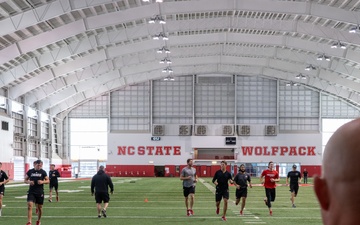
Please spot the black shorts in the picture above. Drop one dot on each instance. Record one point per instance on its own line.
(37, 198)
(2, 190)
(242, 192)
(54, 185)
(294, 188)
(221, 193)
(189, 190)
(102, 197)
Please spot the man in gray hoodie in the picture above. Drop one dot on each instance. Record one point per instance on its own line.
(100, 184)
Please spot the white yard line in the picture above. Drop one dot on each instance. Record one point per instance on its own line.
(247, 213)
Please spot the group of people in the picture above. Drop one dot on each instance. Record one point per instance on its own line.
(241, 181)
(37, 177)
(343, 148)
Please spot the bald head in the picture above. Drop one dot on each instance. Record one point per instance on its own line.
(342, 152)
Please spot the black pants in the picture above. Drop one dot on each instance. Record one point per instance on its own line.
(305, 180)
(270, 195)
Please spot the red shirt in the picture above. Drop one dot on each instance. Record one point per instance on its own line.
(268, 175)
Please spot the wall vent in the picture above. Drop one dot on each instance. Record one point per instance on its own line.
(244, 130)
(185, 130)
(270, 130)
(158, 130)
(227, 130)
(201, 130)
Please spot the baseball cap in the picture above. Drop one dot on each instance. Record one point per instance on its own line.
(294, 166)
(38, 161)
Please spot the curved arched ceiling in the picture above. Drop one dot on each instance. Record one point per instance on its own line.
(54, 55)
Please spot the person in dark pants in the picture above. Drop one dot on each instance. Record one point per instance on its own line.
(221, 179)
(305, 173)
(268, 178)
(100, 184)
(295, 178)
(36, 178)
(53, 175)
(241, 183)
(4, 179)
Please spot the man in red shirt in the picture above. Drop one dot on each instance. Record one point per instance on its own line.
(268, 178)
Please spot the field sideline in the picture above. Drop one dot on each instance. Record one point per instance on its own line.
(156, 201)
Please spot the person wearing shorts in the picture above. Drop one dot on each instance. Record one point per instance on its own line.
(295, 178)
(54, 184)
(189, 177)
(100, 184)
(36, 178)
(221, 180)
(4, 179)
(241, 181)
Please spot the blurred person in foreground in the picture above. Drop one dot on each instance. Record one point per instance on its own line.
(337, 189)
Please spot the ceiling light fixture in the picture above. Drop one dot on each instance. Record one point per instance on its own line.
(292, 84)
(155, 1)
(163, 50)
(158, 19)
(160, 35)
(355, 29)
(323, 57)
(310, 67)
(301, 76)
(338, 45)
(169, 78)
(165, 60)
(167, 70)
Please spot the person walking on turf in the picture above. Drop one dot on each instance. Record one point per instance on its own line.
(295, 179)
(268, 178)
(241, 183)
(53, 175)
(100, 184)
(189, 177)
(337, 189)
(36, 178)
(305, 173)
(4, 179)
(221, 180)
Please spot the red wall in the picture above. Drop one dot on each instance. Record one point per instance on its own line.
(9, 169)
(312, 170)
(148, 170)
(130, 170)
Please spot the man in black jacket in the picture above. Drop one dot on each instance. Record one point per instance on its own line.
(100, 184)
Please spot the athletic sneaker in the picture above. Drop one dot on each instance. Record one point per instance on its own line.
(294, 206)
(188, 213)
(192, 212)
(223, 218)
(265, 200)
(38, 222)
(50, 200)
(271, 213)
(28, 223)
(241, 213)
(217, 211)
(103, 213)
(99, 216)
